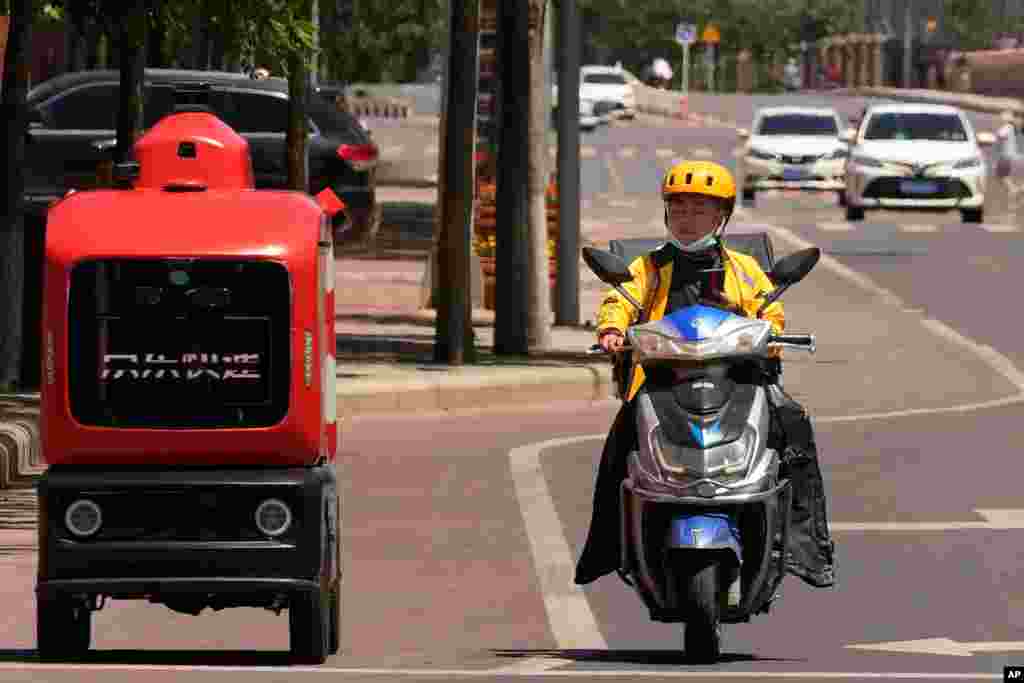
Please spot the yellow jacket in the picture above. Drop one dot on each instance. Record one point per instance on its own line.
(745, 288)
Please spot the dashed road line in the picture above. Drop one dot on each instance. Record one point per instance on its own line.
(995, 228)
(588, 152)
(703, 152)
(664, 153)
(627, 153)
(623, 203)
(914, 227)
(837, 227)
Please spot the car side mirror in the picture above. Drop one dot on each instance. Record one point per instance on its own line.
(743, 133)
(986, 139)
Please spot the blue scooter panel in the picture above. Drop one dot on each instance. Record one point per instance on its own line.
(705, 532)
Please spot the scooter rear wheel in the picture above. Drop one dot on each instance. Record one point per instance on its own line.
(702, 634)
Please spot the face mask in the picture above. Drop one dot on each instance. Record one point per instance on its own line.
(703, 244)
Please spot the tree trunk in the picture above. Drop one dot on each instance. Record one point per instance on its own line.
(539, 303)
(453, 332)
(512, 289)
(201, 39)
(155, 39)
(132, 64)
(12, 220)
(296, 138)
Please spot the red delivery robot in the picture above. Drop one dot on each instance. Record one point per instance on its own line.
(188, 412)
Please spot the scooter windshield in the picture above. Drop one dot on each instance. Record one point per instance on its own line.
(700, 333)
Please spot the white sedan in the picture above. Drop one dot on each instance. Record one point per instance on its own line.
(917, 156)
(608, 86)
(796, 148)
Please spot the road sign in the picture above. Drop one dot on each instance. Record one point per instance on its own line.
(711, 34)
(686, 33)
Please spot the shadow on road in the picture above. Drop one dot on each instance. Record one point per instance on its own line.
(225, 658)
(652, 657)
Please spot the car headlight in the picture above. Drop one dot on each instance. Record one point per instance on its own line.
(723, 462)
(971, 162)
(761, 154)
(867, 161)
(731, 339)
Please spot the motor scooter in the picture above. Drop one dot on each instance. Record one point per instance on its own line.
(706, 503)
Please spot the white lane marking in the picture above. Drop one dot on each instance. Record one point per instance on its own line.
(940, 646)
(623, 203)
(615, 179)
(664, 153)
(588, 152)
(914, 227)
(995, 520)
(531, 666)
(837, 227)
(569, 617)
(989, 227)
(627, 153)
(490, 673)
(703, 152)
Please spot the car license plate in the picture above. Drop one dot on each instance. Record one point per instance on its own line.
(918, 187)
(793, 174)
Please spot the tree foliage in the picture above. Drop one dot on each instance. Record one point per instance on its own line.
(387, 41)
(636, 32)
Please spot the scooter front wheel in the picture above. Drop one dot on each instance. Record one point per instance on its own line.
(702, 634)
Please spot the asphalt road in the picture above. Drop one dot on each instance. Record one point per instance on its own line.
(461, 530)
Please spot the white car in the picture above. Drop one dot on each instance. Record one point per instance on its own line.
(589, 120)
(796, 148)
(608, 84)
(917, 156)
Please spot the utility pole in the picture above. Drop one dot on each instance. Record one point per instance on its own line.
(908, 39)
(453, 334)
(568, 284)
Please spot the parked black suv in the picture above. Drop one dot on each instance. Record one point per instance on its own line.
(72, 125)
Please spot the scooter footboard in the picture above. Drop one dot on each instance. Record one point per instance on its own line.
(704, 531)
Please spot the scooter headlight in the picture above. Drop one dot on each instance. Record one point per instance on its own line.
(731, 339)
(723, 461)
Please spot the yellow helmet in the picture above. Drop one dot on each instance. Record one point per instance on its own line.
(704, 178)
(700, 177)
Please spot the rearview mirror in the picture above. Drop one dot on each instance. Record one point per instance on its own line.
(795, 267)
(986, 139)
(743, 133)
(608, 267)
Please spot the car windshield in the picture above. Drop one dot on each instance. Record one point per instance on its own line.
(915, 126)
(798, 124)
(604, 79)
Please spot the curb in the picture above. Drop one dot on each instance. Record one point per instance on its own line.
(466, 388)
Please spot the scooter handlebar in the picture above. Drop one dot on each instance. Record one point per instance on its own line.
(802, 342)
